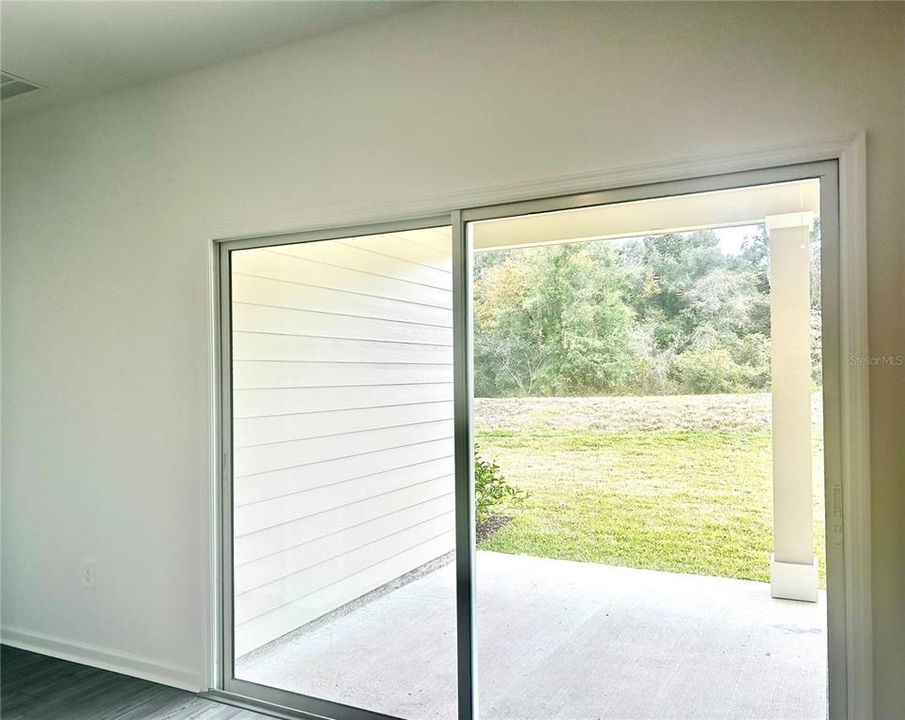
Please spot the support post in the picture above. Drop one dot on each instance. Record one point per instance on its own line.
(793, 567)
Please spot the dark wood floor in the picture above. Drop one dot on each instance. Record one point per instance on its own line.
(36, 687)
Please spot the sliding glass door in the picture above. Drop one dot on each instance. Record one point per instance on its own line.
(567, 458)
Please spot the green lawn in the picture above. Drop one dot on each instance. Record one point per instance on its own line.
(688, 501)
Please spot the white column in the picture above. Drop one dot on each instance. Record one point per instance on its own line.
(793, 569)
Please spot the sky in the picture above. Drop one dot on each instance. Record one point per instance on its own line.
(731, 238)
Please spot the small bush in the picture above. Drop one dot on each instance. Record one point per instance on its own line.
(492, 490)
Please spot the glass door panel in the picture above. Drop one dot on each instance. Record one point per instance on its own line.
(650, 482)
(342, 502)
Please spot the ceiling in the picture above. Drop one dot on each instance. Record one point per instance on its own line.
(78, 49)
(738, 207)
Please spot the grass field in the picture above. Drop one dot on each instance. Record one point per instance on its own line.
(688, 496)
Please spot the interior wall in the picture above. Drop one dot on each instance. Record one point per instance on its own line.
(108, 206)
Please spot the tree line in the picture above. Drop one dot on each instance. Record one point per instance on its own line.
(668, 314)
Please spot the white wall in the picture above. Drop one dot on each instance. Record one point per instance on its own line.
(107, 206)
(343, 422)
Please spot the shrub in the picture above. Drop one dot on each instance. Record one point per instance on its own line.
(492, 490)
(706, 371)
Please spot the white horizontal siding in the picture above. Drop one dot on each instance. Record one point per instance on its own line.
(423, 250)
(338, 302)
(339, 561)
(256, 459)
(292, 321)
(281, 536)
(366, 258)
(305, 553)
(283, 401)
(260, 430)
(284, 266)
(267, 514)
(252, 374)
(342, 432)
(250, 347)
(343, 585)
(253, 488)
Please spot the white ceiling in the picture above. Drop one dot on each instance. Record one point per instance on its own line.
(78, 49)
(738, 207)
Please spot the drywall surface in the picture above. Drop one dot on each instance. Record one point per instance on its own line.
(108, 206)
(342, 428)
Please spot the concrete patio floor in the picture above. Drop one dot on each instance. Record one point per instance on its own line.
(563, 640)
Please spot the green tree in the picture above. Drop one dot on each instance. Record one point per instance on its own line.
(552, 321)
(665, 314)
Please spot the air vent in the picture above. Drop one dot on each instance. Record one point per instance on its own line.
(10, 86)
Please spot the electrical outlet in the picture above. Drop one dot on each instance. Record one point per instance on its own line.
(88, 574)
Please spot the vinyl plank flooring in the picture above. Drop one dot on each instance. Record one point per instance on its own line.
(37, 687)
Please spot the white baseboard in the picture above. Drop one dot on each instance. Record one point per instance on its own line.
(793, 581)
(103, 658)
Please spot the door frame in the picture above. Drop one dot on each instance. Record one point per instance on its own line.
(845, 328)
